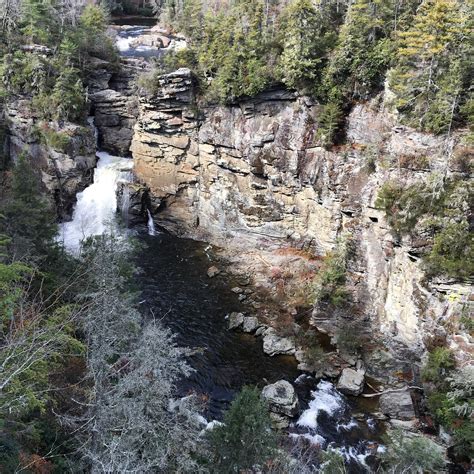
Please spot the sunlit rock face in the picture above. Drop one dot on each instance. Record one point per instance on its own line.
(251, 175)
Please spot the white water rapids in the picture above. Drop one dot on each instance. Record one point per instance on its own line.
(96, 206)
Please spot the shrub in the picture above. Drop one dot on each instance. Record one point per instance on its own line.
(440, 362)
(56, 140)
(453, 251)
(330, 122)
(412, 455)
(329, 284)
(404, 206)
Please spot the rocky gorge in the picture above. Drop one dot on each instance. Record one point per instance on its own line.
(250, 179)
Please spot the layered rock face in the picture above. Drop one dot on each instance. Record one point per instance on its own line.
(250, 175)
(114, 103)
(64, 154)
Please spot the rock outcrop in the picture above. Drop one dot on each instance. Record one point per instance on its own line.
(251, 175)
(351, 382)
(64, 153)
(115, 104)
(281, 398)
(397, 405)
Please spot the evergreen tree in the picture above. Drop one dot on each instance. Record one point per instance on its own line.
(39, 21)
(308, 35)
(27, 217)
(363, 52)
(245, 440)
(431, 75)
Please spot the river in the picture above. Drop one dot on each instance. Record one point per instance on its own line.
(174, 287)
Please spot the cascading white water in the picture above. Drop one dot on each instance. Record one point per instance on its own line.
(96, 206)
(151, 224)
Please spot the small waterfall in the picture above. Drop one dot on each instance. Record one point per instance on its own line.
(124, 210)
(91, 122)
(151, 224)
(96, 206)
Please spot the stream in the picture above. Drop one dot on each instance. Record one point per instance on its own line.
(174, 288)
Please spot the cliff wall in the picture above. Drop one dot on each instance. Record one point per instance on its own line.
(250, 176)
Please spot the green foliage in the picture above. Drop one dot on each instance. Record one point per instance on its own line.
(441, 209)
(38, 22)
(57, 140)
(307, 38)
(453, 251)
(329, 283)
(332, 462)
(27, 217)
(431, 77)
(452, 403)
(53, 77)
(412, 455)
(404, 206)
(246, 438)
(364, 49)
(330, 121)
(440, 362)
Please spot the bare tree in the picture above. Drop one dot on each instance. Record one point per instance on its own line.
(131, 423)
(10, 14)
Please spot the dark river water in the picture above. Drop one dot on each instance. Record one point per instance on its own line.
(175, 289)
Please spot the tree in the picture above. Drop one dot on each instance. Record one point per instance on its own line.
(27, 216)
(132, 423)
(430, 78)
(39, 21)
(362, 55)
(245, 439)
(308, 36)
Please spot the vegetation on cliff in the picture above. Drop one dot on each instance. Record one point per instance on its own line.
(46, 51)
(337, 52)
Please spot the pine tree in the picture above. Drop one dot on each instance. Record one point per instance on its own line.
(245, 439)
(363, 53)
(39, 22)
(307, 39)
(27, 216)
(430, 77)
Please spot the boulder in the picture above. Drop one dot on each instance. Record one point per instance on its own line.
(213, 271)
(235, 320)
(351, 382)
(250, 324)
(279, 422)
(398, 405)
(281, 398)
(273, 344)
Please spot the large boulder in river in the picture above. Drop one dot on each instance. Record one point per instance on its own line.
(351, 382)
(274, 344)
(281, 398)
(397, 405)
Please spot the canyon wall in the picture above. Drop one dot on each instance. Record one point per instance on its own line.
(250, 175)
(63, 153)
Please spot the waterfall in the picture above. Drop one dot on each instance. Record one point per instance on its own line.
(125, 204)
(91, 122)
(96, 206)
(151, 224)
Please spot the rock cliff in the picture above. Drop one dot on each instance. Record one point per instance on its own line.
(250, 175)
(63, 153)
